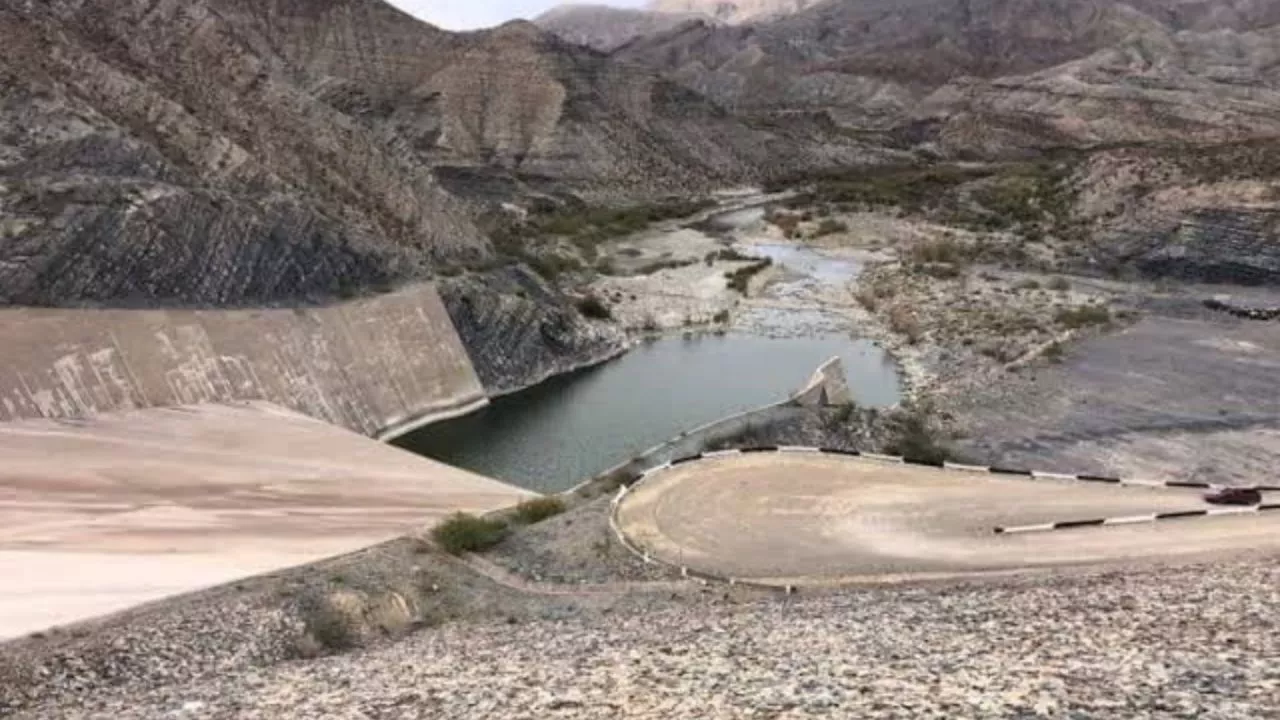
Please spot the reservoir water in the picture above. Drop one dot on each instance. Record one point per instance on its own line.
(552, 436)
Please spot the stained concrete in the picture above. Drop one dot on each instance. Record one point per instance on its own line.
(375, 365)
(829, 386)
(102, 514)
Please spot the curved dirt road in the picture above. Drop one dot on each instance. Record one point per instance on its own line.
(816, 519)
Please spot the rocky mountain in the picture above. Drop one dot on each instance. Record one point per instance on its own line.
(1073, 70)
(1154, 86)
(516, 102)
(732, 11)
(151, 151)
(240, 152)
(607, 28)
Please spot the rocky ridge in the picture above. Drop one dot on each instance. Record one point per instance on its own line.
(153, 152)
(997, 77)
(1097, 646)
(606, 28)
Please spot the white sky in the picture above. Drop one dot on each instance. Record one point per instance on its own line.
(469, 14)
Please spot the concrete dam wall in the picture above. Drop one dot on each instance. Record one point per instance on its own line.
(376, 366)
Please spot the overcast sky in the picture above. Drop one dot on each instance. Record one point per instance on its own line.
(468, 14)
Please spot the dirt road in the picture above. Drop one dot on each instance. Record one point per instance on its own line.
(815, 519)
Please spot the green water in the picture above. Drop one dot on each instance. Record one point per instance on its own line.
(550, 437)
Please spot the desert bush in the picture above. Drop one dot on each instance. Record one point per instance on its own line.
(750, 435)
(1060, 284)
(659, 265)
(593, 307)
(867, 299)
(740, 279)
(1028, 285)
(941, 271)
(785, 221)
(462, 532)
(1054, 353)
(1083, 316)
(944, 250)
(538, 509)
(830, 226)
(916, 434)
(903, 321)
(331, 629)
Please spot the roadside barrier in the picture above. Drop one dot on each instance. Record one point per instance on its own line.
(1138, 519)
(1246, 313)
(1033, 475)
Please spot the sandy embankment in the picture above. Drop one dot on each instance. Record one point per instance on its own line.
(98, 515)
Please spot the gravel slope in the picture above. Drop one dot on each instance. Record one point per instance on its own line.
(1197, 642)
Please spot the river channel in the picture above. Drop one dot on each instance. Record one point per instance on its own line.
(550, 437)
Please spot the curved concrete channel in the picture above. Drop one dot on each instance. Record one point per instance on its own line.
(812, 519)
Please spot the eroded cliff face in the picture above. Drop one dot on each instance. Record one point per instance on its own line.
(520, 101)
(519, 332)
(150, 152)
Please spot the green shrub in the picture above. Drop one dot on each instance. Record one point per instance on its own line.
(916, 436)
(1054, 353)
(1083, 317)
(941, 271)
(462, 533)
(1060, 284)
(659, 265)
(740, 279)
(830, 226)
(538, 509)
(593, 307)
(944, 251)
(332, 629)
(1028, 285)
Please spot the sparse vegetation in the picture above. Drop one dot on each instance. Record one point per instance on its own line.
(594, 308)
(659, 265)
(1083, 316)
(1055, 352)
(788, 223)
(740, 279)
(729, 255)
(903, 321)
(538, 509)
(943, 251)
(584, 227)
(1060, 284)
(917, 435)
(750, 435)
(830, 226)
(911, 188)
(721, 317)
(941, 271)
(331, 629)
(462, 533)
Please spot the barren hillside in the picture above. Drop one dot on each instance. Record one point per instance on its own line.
(1039, 73)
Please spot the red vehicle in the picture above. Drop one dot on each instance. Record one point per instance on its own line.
(1234, 496)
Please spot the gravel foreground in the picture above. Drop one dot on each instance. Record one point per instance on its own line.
(1170, 643)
